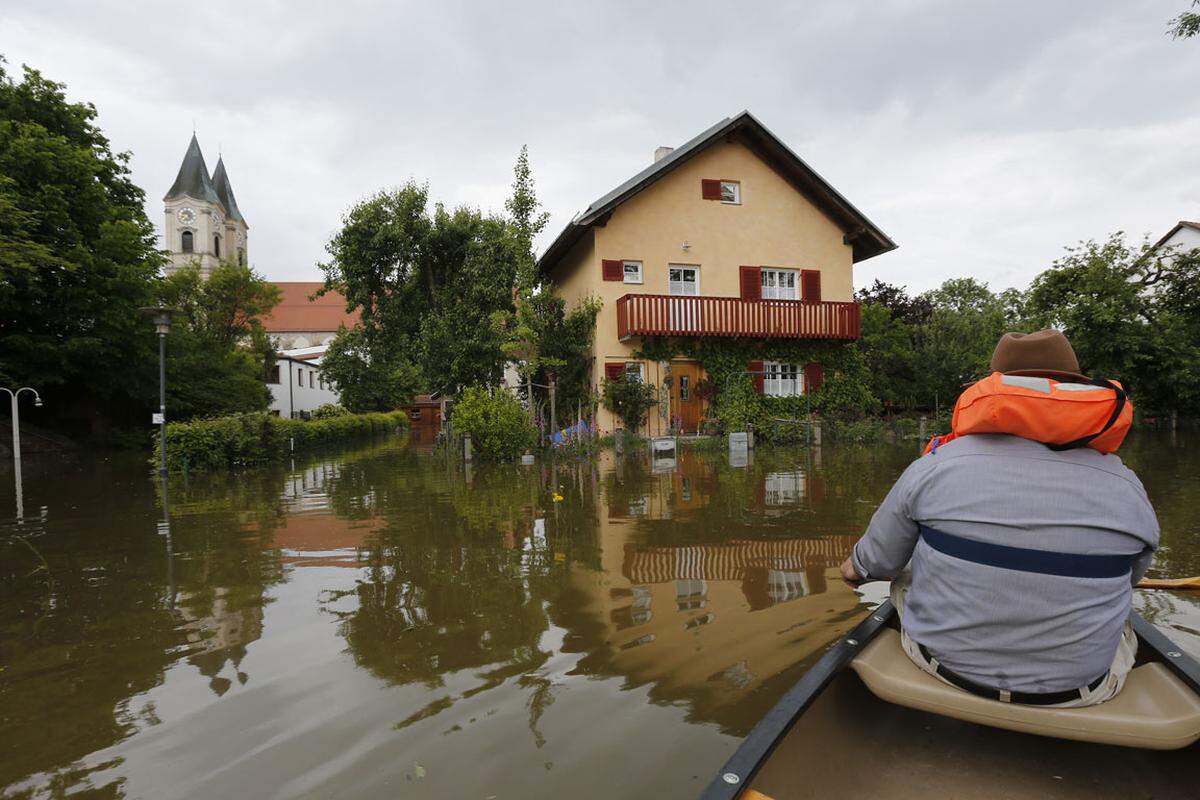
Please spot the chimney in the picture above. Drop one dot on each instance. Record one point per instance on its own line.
(662, 152)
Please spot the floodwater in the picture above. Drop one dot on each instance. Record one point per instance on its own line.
(385, 622)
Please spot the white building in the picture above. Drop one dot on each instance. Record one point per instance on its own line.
(297, 386)
(1183, 238)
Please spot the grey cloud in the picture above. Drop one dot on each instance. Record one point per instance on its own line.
(982, 136)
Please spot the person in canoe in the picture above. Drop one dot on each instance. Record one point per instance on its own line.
(1014, 542)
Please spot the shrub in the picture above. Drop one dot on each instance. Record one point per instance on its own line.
(240, 439)
(497, 424)
(329, 411)
(630, 400)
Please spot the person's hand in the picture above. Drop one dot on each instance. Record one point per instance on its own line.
(850, 574)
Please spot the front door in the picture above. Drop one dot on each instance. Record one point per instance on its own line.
(685, 403)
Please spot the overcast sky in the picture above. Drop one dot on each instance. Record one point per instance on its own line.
(982, 137)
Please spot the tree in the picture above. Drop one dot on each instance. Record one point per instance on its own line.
(1132, 313)
(905, 308)
(78, 258)
(368, 379)
(218, 352)
(1186, 25)
(427, 285)
(954, 348)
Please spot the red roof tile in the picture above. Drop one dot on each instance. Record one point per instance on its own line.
(296, 313)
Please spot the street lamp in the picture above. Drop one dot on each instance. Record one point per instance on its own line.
(16, 418)
(16, 447)
(161, 316)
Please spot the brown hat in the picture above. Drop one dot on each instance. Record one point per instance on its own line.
(1045, 354)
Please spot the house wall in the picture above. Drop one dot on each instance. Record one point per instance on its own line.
(775, 225)
(1184, 240)
(289, 397)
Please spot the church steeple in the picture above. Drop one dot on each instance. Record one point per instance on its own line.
(193, 180)
(224, 190)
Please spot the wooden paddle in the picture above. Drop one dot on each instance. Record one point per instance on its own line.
(1170, 583)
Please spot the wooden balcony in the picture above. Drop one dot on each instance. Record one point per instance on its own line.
(668, 315)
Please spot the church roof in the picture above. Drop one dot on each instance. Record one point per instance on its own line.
(296, 313)
(224, 190)
(193, 179)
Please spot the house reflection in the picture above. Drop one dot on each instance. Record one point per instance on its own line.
(712, 621)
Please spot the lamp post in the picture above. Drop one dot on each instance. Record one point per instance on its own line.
(16, 445)
(161, 316)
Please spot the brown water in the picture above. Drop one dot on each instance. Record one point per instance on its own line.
(387, 623)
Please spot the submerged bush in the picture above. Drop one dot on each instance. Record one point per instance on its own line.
(240, 439)
(496, 422)
(328, 411)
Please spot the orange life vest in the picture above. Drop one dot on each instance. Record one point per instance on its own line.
(1059, 414)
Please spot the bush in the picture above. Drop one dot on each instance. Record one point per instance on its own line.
(329, 411)
(630, 400)
(241, 439)
(497, 424)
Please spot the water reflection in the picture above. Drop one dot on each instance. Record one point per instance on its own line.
(386, 616)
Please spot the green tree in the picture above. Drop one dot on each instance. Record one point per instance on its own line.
(427, 285)
(218, 352)
(369, 379)
(955, 346)
(1132, 313)
(77, 260)
(1186, 25)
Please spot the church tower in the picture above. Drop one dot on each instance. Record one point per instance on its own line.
(203, 223)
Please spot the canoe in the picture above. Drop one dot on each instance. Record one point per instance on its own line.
(865, 721)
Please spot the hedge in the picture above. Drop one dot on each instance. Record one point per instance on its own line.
(255, 438)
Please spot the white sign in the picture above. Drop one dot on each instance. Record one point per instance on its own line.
(157, 419)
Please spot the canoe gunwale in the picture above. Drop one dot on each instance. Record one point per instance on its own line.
(1183, 666)
(756, 748)
(762, 740)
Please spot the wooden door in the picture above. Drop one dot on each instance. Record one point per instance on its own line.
(685, 404)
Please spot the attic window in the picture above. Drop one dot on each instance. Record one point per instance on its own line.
(731, 192)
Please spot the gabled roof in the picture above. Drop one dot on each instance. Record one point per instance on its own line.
(224, 190)
(296, 313)
(1183, 223)
(193, 179)
(863, 235)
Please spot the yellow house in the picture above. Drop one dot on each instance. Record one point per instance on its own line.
(729, 235)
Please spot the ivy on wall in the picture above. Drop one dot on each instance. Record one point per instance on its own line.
(845, 394)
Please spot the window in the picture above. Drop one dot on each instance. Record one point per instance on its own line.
(312, 379)
(684, 281)
(185, 242)
(782, 380)
(731, 192)
(633, 371)
(779, 284)
(633, 271)
(241, 256)
(299, 377)
(273, 375)
(685, 389)
(217, 246)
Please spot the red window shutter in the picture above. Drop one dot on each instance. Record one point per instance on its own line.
(613, 270)
(614, 372)
(752, 283)
(755, 368)
(814, 377)
(810, 285)
(710, 189)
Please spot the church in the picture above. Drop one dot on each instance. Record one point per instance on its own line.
(204, 226)
(204, 223)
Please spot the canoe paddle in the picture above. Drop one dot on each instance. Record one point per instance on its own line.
(1170, 583)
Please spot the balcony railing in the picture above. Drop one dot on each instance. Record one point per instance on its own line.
(668, 315)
